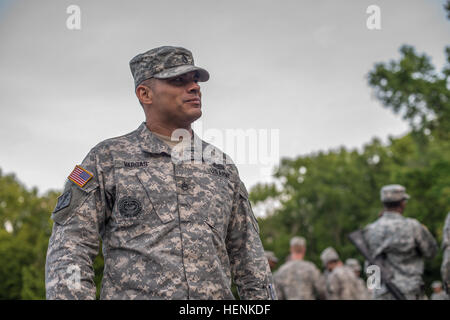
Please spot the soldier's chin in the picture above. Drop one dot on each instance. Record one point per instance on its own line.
(194, 114)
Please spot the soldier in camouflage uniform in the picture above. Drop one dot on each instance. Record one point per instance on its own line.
(298, 279)
(438, 293)
(174, 218)
(341, 282)
(445, 268)
(353, 264)
(403, 242)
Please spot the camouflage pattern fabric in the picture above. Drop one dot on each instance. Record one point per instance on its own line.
(299, 280)
(439, 296)
(363, 292)
(445, 267)
(393, 193)
(342, 284)
(169, 231)
(163, 63)
(404, 242)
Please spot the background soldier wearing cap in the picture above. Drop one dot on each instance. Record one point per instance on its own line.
(298, 279)
(341, 282)
(445, 268)
(438, 293)
(402, 242)
(362, 287)
(173, 227)
(271, 259)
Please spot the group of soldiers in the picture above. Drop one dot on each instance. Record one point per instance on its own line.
(402, 242)
(182, 227)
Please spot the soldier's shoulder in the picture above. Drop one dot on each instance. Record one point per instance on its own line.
(414, 223)
(285, 267)
(309, 265)
(119, 143)
(114, 142)
(373, 225)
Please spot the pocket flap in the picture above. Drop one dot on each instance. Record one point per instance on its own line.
(164, 203)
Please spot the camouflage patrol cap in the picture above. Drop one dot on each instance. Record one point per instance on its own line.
(298, 242)
(393, 193)
(163, 63)
(271, 256)
(327, 255)
(436, 284)
(353, 264)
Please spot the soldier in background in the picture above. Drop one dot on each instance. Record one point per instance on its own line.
(445, 268)
(271, 259)
(438, 293)
(403, 242)
(341, 282)
(298, 279)
(362, 287)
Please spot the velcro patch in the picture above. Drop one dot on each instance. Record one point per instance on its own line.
(63, 200)
(80, 176)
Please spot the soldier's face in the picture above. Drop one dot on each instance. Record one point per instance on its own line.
(178, 99)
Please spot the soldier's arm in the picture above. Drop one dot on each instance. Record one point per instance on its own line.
(74, 242)
(425, 241)
(249, 265)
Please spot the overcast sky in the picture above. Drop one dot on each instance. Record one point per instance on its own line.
(296, 66)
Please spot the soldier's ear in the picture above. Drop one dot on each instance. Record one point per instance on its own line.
(144, 94)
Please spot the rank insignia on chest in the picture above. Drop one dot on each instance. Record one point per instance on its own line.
(80, 176)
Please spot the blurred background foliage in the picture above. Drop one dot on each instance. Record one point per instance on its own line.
(326, 195)
(321, 196)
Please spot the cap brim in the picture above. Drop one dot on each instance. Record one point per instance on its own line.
(406, 196)
(176, 71)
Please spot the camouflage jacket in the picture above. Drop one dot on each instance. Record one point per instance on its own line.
(299, 280)
(342, 284)
(404, 242)
(169, 230)
(445, 268)
(439, 296)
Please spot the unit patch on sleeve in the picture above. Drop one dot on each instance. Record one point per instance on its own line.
(63, 200)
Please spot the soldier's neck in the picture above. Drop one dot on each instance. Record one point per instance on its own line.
(393, 210)
(166, 130)
(297, 257)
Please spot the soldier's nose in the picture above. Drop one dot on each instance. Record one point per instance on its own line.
(193, 87)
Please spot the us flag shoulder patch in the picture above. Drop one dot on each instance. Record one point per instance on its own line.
(80, 176)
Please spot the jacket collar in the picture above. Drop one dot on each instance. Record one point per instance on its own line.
(150, 143)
